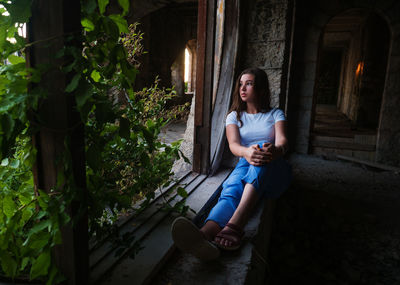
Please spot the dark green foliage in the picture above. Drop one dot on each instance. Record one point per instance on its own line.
(125, 160)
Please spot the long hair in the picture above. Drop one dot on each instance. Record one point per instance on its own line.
(261, 88)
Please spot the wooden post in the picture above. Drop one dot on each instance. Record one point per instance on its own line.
(51, 20)
(204, 85)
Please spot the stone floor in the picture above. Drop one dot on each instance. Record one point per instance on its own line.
(339, 225)
(172, 132)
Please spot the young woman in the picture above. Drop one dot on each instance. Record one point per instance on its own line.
(256, 133)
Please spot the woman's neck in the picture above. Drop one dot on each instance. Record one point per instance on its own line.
(251, 109)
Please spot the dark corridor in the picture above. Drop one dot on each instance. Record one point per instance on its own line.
(350, 83)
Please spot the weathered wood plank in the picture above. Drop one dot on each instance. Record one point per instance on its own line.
(225, 84)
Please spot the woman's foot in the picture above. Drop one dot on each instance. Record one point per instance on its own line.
(230, 237)
(190, 239)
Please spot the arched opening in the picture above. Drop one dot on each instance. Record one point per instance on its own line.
(349, 84)
(190, 67)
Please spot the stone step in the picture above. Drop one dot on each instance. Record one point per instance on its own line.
(357, 143)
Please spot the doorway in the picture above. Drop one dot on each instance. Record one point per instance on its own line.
(349, 85)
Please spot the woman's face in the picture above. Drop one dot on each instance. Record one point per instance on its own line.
(246, 88)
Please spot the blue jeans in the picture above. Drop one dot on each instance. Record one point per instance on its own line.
(269, 180)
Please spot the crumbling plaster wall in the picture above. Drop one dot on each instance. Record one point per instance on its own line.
(311, 18)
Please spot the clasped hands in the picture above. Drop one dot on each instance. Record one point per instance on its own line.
(259, 156)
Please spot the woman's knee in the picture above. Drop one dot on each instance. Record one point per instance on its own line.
(232, 192)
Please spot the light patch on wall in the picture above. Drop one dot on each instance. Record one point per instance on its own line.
(187, 56)
(360, 68)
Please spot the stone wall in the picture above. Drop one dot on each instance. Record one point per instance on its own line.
(265, 43)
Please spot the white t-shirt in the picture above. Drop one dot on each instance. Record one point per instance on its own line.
(256, 128)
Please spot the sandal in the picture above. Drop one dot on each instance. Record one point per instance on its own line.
(190, 239)
(231, 233)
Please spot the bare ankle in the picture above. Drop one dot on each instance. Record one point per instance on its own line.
(210, 230)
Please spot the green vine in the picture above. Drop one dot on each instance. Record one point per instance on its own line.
(125, 159)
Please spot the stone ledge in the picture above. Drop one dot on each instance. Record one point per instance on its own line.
(156, 240)
(245, 266)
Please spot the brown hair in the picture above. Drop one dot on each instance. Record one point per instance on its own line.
(261, 88)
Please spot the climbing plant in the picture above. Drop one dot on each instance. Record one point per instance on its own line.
(125, 159)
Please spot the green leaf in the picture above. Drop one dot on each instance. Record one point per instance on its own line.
(9, 206)
(24, 262)
(15, 163)
(20, 11)
(39, 240)
(4, 162)
(95, 75)
(102, 5)
(52, 275)
(39, 227)
(43, 199)
(182, 192)
(125, 5)
(8, 264)
(13, 59)
(57, 238)
(87, 24)
(7, 123)
(73, 84)
(41, 265)
(120, 22)
(89, 6)
(85, 93)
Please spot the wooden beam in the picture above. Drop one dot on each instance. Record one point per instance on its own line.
(204, 84)
(53, 19)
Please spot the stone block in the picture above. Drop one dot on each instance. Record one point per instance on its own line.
(394, 63)
(395, 49)
(266, 54)
(392, 85)
(302, 123)
(267, 21)
(388, 148)
(274, 78)
(306, 102)
(313, 35)
(311, 51)
(302, 137)
(306, 88)
(301, 148)
(395, 28)
(310, 69)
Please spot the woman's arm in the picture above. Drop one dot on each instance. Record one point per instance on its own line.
(281, 142)
(253, 154)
